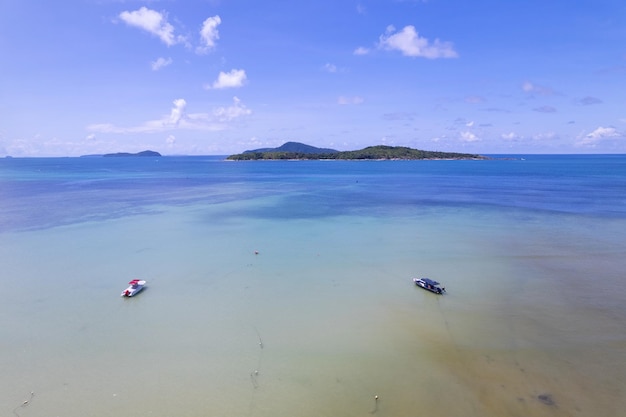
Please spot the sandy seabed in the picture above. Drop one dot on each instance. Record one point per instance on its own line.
(321, 321)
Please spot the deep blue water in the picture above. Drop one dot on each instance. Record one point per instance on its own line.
(38, 193)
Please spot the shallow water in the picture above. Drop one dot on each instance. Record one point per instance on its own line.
(325, 317)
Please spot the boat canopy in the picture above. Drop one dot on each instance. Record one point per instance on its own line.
(429, 281)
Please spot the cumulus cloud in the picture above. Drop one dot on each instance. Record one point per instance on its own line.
(227, 114)
(233, 79)
(179, 118)
(209, 34)
(599, 135)
(361, 51)
(157, 24)
(409, 43)
(469, 137)
(178, 111)
(511, 136)
(343, 100)
(160, 63)
(153, 22)
(603, 132)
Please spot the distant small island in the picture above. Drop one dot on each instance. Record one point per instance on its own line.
(300, 151)
(124, 154)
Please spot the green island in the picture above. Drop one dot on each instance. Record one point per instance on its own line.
(127, 154)
(298, 151)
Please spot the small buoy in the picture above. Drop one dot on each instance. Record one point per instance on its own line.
(376, 397)
(256, 252)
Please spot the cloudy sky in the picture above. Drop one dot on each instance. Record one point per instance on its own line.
(215, 77)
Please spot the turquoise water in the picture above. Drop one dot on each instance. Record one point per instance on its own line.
(325, 317)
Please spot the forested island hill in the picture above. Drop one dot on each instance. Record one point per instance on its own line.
(295, 150)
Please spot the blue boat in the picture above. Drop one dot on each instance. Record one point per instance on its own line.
(429, 284)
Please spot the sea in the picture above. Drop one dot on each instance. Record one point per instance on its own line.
(285, 288)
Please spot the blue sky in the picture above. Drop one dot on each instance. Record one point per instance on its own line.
(216, 77)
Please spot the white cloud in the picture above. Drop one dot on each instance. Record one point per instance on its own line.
(511, 136)
(410, 43)
(227, 114)
(178, 111)
(361, 51)
(209, 34)
(350, 100)
(160, 63)
(233, 79)
(599, 135)
(604, 132)
(178, 118)
(157, 24)
(153, 22)
(469, 137)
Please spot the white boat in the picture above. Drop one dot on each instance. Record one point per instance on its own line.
(429, 284)
(134, 287)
